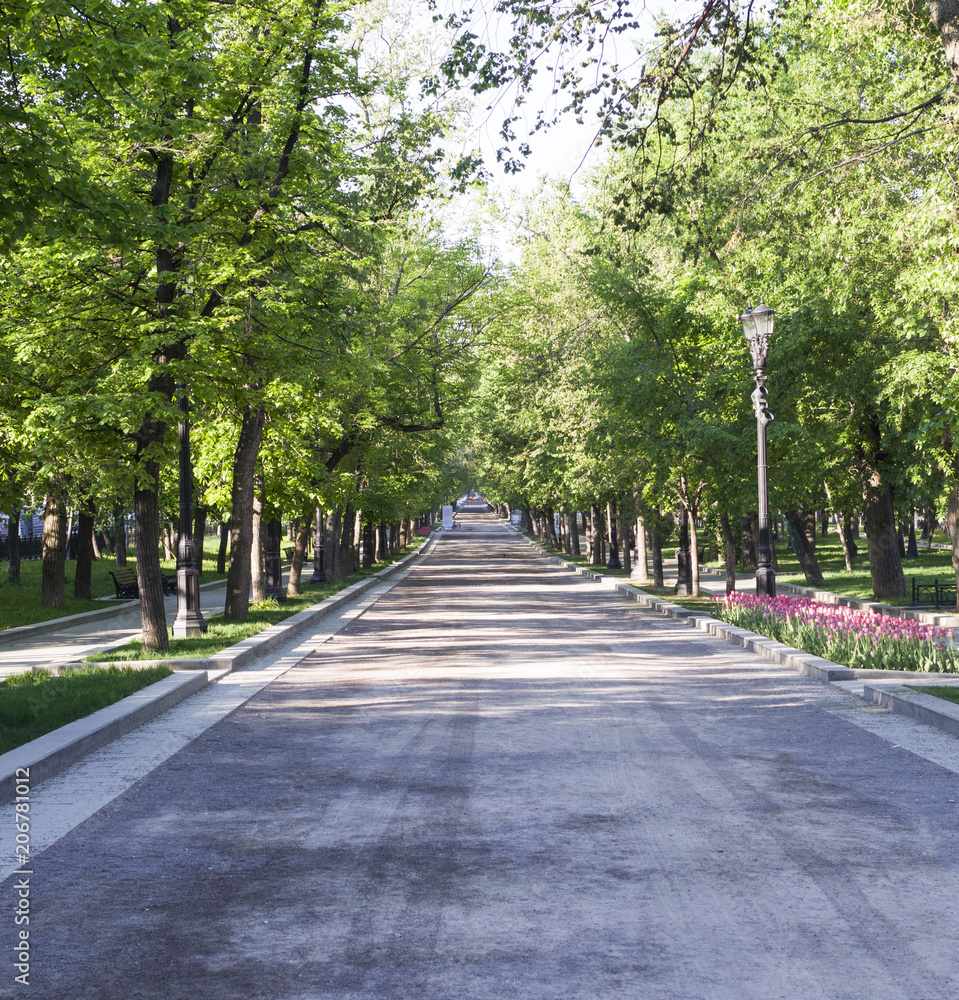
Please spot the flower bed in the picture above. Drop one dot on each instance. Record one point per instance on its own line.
(858, 639)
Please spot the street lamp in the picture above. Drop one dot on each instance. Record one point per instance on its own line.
(189, 619)
(758, 328)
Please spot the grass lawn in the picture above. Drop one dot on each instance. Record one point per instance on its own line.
(940, 691)
(931, 564)
(20, 603)
(35, 703)
(222, 633)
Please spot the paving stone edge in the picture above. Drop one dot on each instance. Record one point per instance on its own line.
(924, 708)
(57, 750)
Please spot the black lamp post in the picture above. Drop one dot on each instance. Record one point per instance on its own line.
(758, 328)
(189, 619)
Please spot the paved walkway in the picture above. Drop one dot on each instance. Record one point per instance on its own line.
(502, 781)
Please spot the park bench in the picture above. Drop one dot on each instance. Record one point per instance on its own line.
(941, 594)
(125, 580)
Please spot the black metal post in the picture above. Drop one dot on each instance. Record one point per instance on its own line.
(319, 571)
(189, 619)
(757, 326)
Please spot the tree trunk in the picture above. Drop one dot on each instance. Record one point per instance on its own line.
(169, 548)
(810, 526)
(805, 554)
(369, 545)
(13, 547)
(238, 580)
(301, 542)
(382, 544)
(640, 570)
(257, 546)
(549, 516)
(656, 551)
(945, 17)
(574, 546)
(83, 577)
(199, 534)
(118, 544)
(53, 578)
(879, 520)
(595, 538)
(331, 544)
(224, 543)
(952, 526)
(729, 541)
(747, 543)
(693, 556)
(146, 509)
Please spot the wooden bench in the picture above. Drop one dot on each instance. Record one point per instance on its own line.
(125, 580)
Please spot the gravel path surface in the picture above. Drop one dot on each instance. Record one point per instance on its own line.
(502, 781)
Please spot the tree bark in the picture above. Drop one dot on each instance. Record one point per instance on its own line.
(945, 16)
(83, 577)
(806, 555)
(53, 578)
(693, 555)
(656, 551)
(257, 545)
(729, 541)
(747, 543)
(238, 580)
(199, 534)
(595, 536)
(146, 509)
(574, 546)
(640, 570)
(224, 543)
(13, 547)
(952, 526)
(331, 544)
(882, 541)
(301, 542)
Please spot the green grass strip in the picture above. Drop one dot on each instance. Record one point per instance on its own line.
(945, 692)
(35, 703)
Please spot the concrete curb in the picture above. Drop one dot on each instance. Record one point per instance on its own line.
(55, 624)
(57, 750)
(924, 708)
(51, 753)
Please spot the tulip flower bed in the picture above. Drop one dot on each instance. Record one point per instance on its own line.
(858, 639)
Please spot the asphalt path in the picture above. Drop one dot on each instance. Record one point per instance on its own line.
(504, 781)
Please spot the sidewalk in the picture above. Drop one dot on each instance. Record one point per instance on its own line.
(98, 630)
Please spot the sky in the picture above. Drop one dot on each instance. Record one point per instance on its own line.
(566, 152)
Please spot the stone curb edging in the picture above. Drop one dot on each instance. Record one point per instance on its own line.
(55, 624)
(53, 752)
(925, 708)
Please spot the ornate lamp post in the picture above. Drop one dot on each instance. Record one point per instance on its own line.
(189, 619)
(758, 328)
